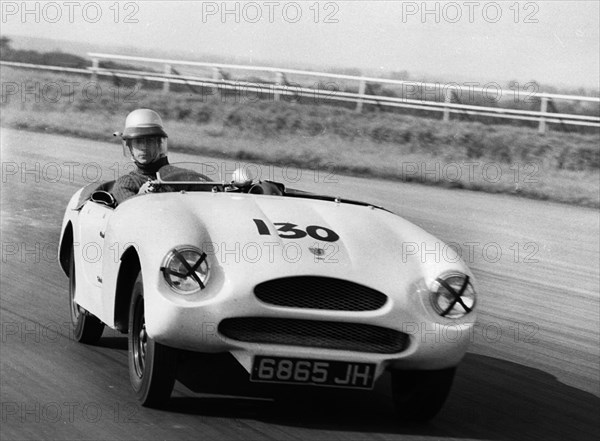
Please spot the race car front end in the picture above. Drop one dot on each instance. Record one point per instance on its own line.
(303, 292)
(321, 328)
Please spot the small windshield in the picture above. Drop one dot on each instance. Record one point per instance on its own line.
(188, 172)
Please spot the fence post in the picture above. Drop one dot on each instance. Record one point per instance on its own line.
(362, 86)
(95, 65)
(166, 83)
(216, 73)
(278, 82)
(447, 100)
(543, 109)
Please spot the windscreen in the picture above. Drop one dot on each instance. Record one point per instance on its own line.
(189, 172)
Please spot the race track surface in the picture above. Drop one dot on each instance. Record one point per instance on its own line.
(532, 371)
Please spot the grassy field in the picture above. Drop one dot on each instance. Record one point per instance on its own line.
(498, 159)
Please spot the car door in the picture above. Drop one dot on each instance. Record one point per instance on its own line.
(93, 221)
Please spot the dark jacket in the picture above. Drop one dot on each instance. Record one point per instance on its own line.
(129, 184)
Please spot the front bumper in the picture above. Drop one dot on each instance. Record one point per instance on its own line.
(193, 323)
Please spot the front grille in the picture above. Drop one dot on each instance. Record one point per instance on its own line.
(315, 334)
(319, 293)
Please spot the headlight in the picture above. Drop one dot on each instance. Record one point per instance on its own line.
(453, 295)
(185, 269)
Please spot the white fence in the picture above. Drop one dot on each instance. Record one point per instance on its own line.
(218, 77)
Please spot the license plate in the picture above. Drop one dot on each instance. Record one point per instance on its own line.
(313, 372)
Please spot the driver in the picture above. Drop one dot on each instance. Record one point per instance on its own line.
(145, 142)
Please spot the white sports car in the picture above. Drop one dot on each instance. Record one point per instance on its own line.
(299, 288)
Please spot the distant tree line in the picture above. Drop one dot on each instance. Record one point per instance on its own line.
(54, 58)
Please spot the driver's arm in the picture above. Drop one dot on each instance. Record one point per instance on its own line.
(126, 186)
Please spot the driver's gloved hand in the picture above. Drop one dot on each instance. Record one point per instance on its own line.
(146, 187)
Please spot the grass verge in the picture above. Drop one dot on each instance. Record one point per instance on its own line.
(496, 159)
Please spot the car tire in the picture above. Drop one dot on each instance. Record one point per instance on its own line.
(419, 395)
(87, 328)
(152, 366)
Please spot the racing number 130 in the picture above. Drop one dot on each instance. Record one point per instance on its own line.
(290, 231)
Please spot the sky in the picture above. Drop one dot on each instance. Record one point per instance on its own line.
(552, 42)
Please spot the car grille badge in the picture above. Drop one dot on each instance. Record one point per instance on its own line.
(318, 252)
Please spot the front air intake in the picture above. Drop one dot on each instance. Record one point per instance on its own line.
(313, 292)
(343, 336)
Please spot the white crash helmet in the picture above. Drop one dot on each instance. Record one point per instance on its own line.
(143, 123)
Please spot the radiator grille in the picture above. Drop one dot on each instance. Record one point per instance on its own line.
(319, 293)
(317, 334)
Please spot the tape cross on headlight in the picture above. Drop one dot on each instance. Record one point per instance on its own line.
(191, 270)
(457, 295)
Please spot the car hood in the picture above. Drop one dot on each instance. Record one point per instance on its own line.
(259, 235)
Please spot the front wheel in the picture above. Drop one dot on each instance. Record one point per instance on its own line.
(419, 395)
(87, 328)
(152, 366)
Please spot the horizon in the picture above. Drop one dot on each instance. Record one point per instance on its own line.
(76, 48)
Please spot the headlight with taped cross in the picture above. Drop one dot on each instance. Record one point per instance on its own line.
(452, 295)
(186, 270)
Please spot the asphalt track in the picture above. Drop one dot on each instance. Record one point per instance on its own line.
(532, 371)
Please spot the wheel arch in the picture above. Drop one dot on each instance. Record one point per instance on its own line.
(128, 271)
(64, 251)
